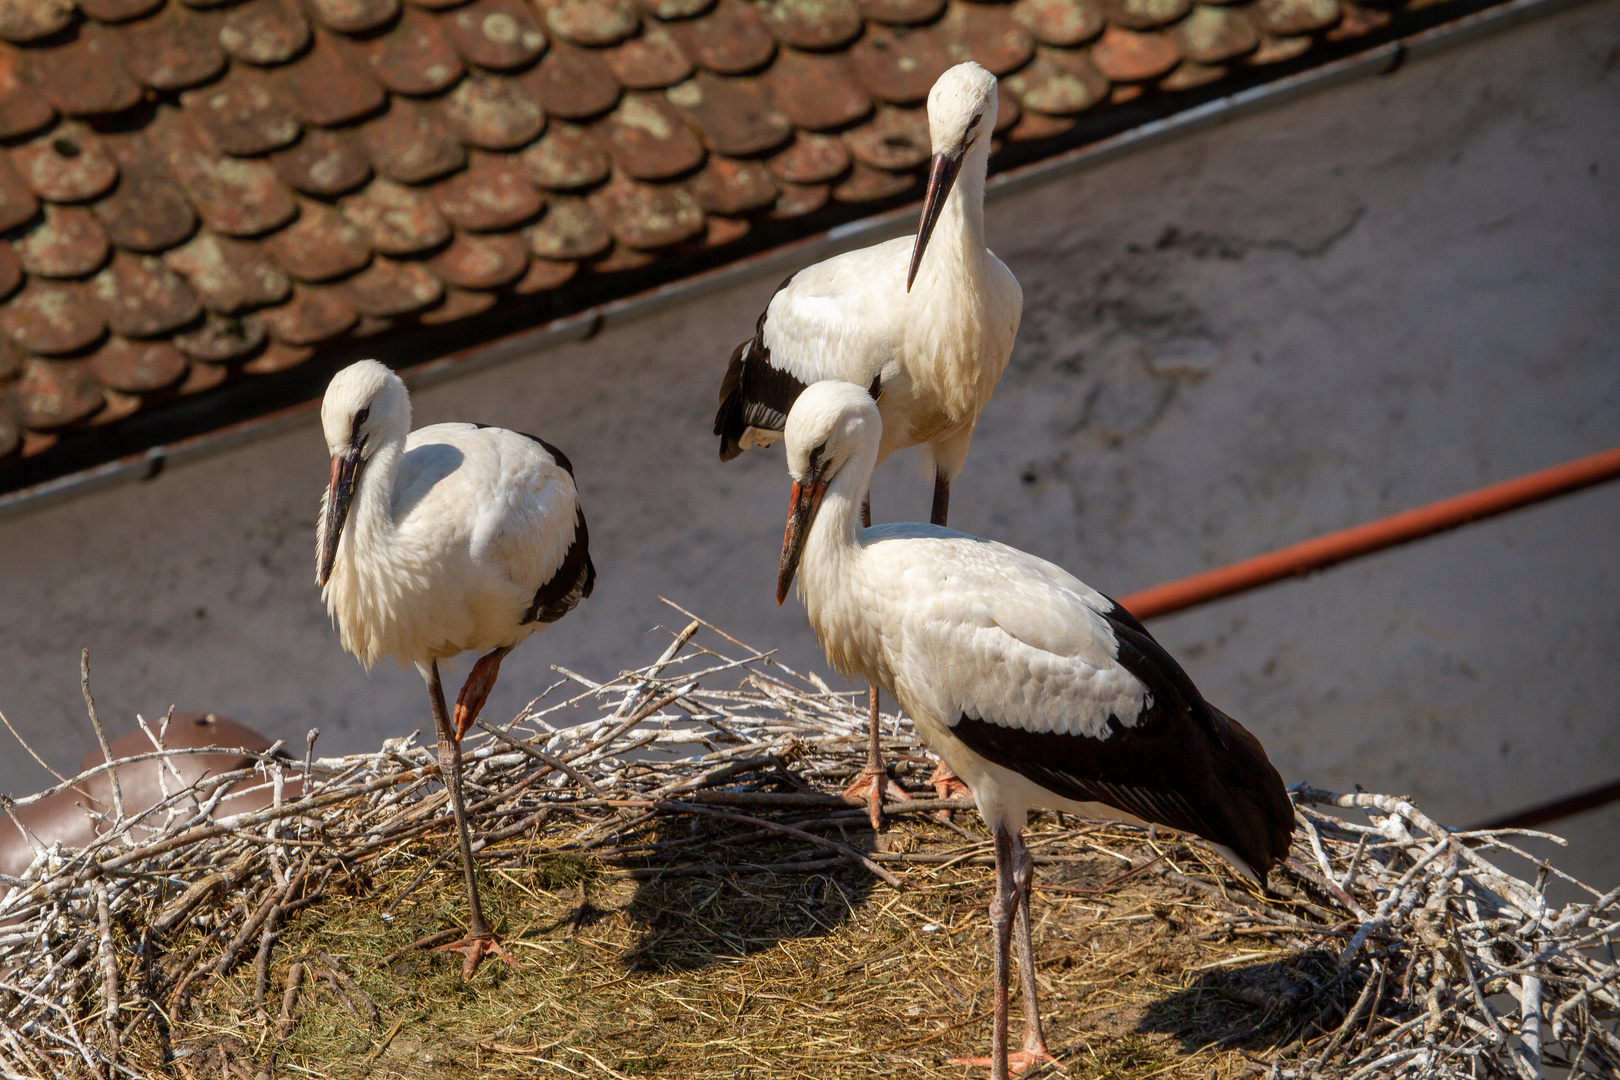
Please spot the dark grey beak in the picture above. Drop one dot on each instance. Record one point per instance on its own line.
(339, 494)
(805, 503)
(941, 178)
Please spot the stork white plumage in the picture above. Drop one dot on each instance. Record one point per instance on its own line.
(927, 323)
(448, 539)
(1036, 689)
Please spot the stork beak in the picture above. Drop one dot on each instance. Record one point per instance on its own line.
(941, 178)
(801, 515)
(339, 494)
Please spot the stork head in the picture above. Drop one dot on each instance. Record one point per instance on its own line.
(830, 424)
(961, 115)
(366, 406)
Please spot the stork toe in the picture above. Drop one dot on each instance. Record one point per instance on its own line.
(947, 785)
(1019, 1062)
(475, 691)
(473, 948)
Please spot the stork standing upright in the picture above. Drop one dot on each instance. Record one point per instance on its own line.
(931, 336)
(448, 539)
(1036, 689)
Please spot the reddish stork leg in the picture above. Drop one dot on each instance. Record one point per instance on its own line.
(872, 782)
(1003, 909)
(480, 940)
(475, 691)
(944, 782)
(1034, 1051)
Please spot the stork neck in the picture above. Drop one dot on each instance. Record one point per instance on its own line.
(372, 514)
(837, 527)
(961, 220)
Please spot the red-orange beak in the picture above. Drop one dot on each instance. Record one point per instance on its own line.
(801, 515)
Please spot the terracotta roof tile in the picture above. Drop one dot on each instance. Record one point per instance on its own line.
(66, 164)
(1189, 74)
(412, 143)
(496, 34)
(65, 243)
(1060, 22)
(1212, 35)
(388, 289)
(720, 230)
(54, 394)
(867, 184)
(573, 83)
(796, 200)
(1127, 56)
(221, 339)
(137, 367)
(494, 113)
(353, 16)
(1007, 110)
(370, 326)
(899, 66)
(140, 297)
(814, 24)
(571, 230)
(436, 5)
(543, 275)
(649, 139)
(482, 262)
(491, 196)
(241, 114)
(817, 91)
(729, 186)
(277, 356)
(1034, 126)
(264, 32)
(10, 431)
(201, 378)
(1358, 21)
(396, 220)
(313, 314)
(457, 304)
(1282, 18)
(414, 56)
(1059, 82)
(23, 108)
(651, 60)
(85, 76)
(115, 406)
(811, 159)
(623, 258)
(231, 276)
(730, 40)
(11, 276)
(173, 49)
(902, 12)
(325, 163)
(566, 158)
(1146, 14)
(146, 211)
(894, 139)
(737, 117)
(675, 9)
(593, 22)
(234, 195)
(51, 318)
(1276, 50)
(113, 11)
(988, 34)
(647, 216)
(30, 20)
(17, 203)
(319, 246)
(325, 88)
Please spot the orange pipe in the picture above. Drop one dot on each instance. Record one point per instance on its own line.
(1324, 551)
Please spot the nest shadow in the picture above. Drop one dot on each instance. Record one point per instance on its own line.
(1254, 1006)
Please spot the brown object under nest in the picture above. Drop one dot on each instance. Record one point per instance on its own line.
(688, 900)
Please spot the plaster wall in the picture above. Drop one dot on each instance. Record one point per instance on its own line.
(1390, 292)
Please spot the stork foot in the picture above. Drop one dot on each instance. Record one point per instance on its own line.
(947, 785)
(473, 948)
(475, 691)
(1020, 1062)
(873, 787)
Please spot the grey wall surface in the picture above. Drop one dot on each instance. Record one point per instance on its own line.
(1394, 291)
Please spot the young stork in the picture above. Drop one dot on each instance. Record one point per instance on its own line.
(931, 336)
(438, 541)
(1036, 689)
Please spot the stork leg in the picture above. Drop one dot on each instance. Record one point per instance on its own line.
(480, 940)
(1003, 910)
(944, 782)
(1034, 1051)
(872, 782)
(475, 691)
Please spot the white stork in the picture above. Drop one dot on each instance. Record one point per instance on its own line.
(1036, 689)
(438, 541)
(931, 336)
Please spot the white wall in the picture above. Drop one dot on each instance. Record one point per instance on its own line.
(1378, 296)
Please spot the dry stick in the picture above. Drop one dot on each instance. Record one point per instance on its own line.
(543, 758)
(109, 971)
(295, 979)
(845, 850)
(16, 735)
(101, 736)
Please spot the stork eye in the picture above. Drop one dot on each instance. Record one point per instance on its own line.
(362, 416)
(815, 455)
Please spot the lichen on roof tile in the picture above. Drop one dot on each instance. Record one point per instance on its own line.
(1064, 23)
(988, 35)
(265, 32)
(320, 245)
(729, 186)
(141, 297)
(566, 158)
(737, 116)
(592, 22)
(569, 230)
(868, 184)
(493, 112)
(313, 314)
(241, 113)
(651, 60)
(172, 50)
(30, 20)
(414, 56)
(146, 212)
(675, 9)
(412, 143)
(817, 90)
(66, 164)
(1190, 74)
(54, 394)
(395, 219)
(1212, 35)
(730, 40)
(649, 139)
(65, 242)
(221, 339)
(388, 289)
(814, 24)
(811, 159)
(647, 216)
(51, 318)
(1146, 14)
(324, 163)
(496, 34)
(1283, 18)
(1357, 21)
(239, 196)
(1128, 56)
(894, 139)
(1276, 50)
(474, 261)
(902, 12)
(572, 83)
(899, 66)
(492, 195)
(23, 108)
(325, 87)
(1060, 82)
(84, 75)
(230, 276)
(137, 367)
(353, 16)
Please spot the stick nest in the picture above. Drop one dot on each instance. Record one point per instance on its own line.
(687, 897)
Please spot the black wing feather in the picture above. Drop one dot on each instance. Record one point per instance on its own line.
(753, 394)
(1183, 764)
(572, 582)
